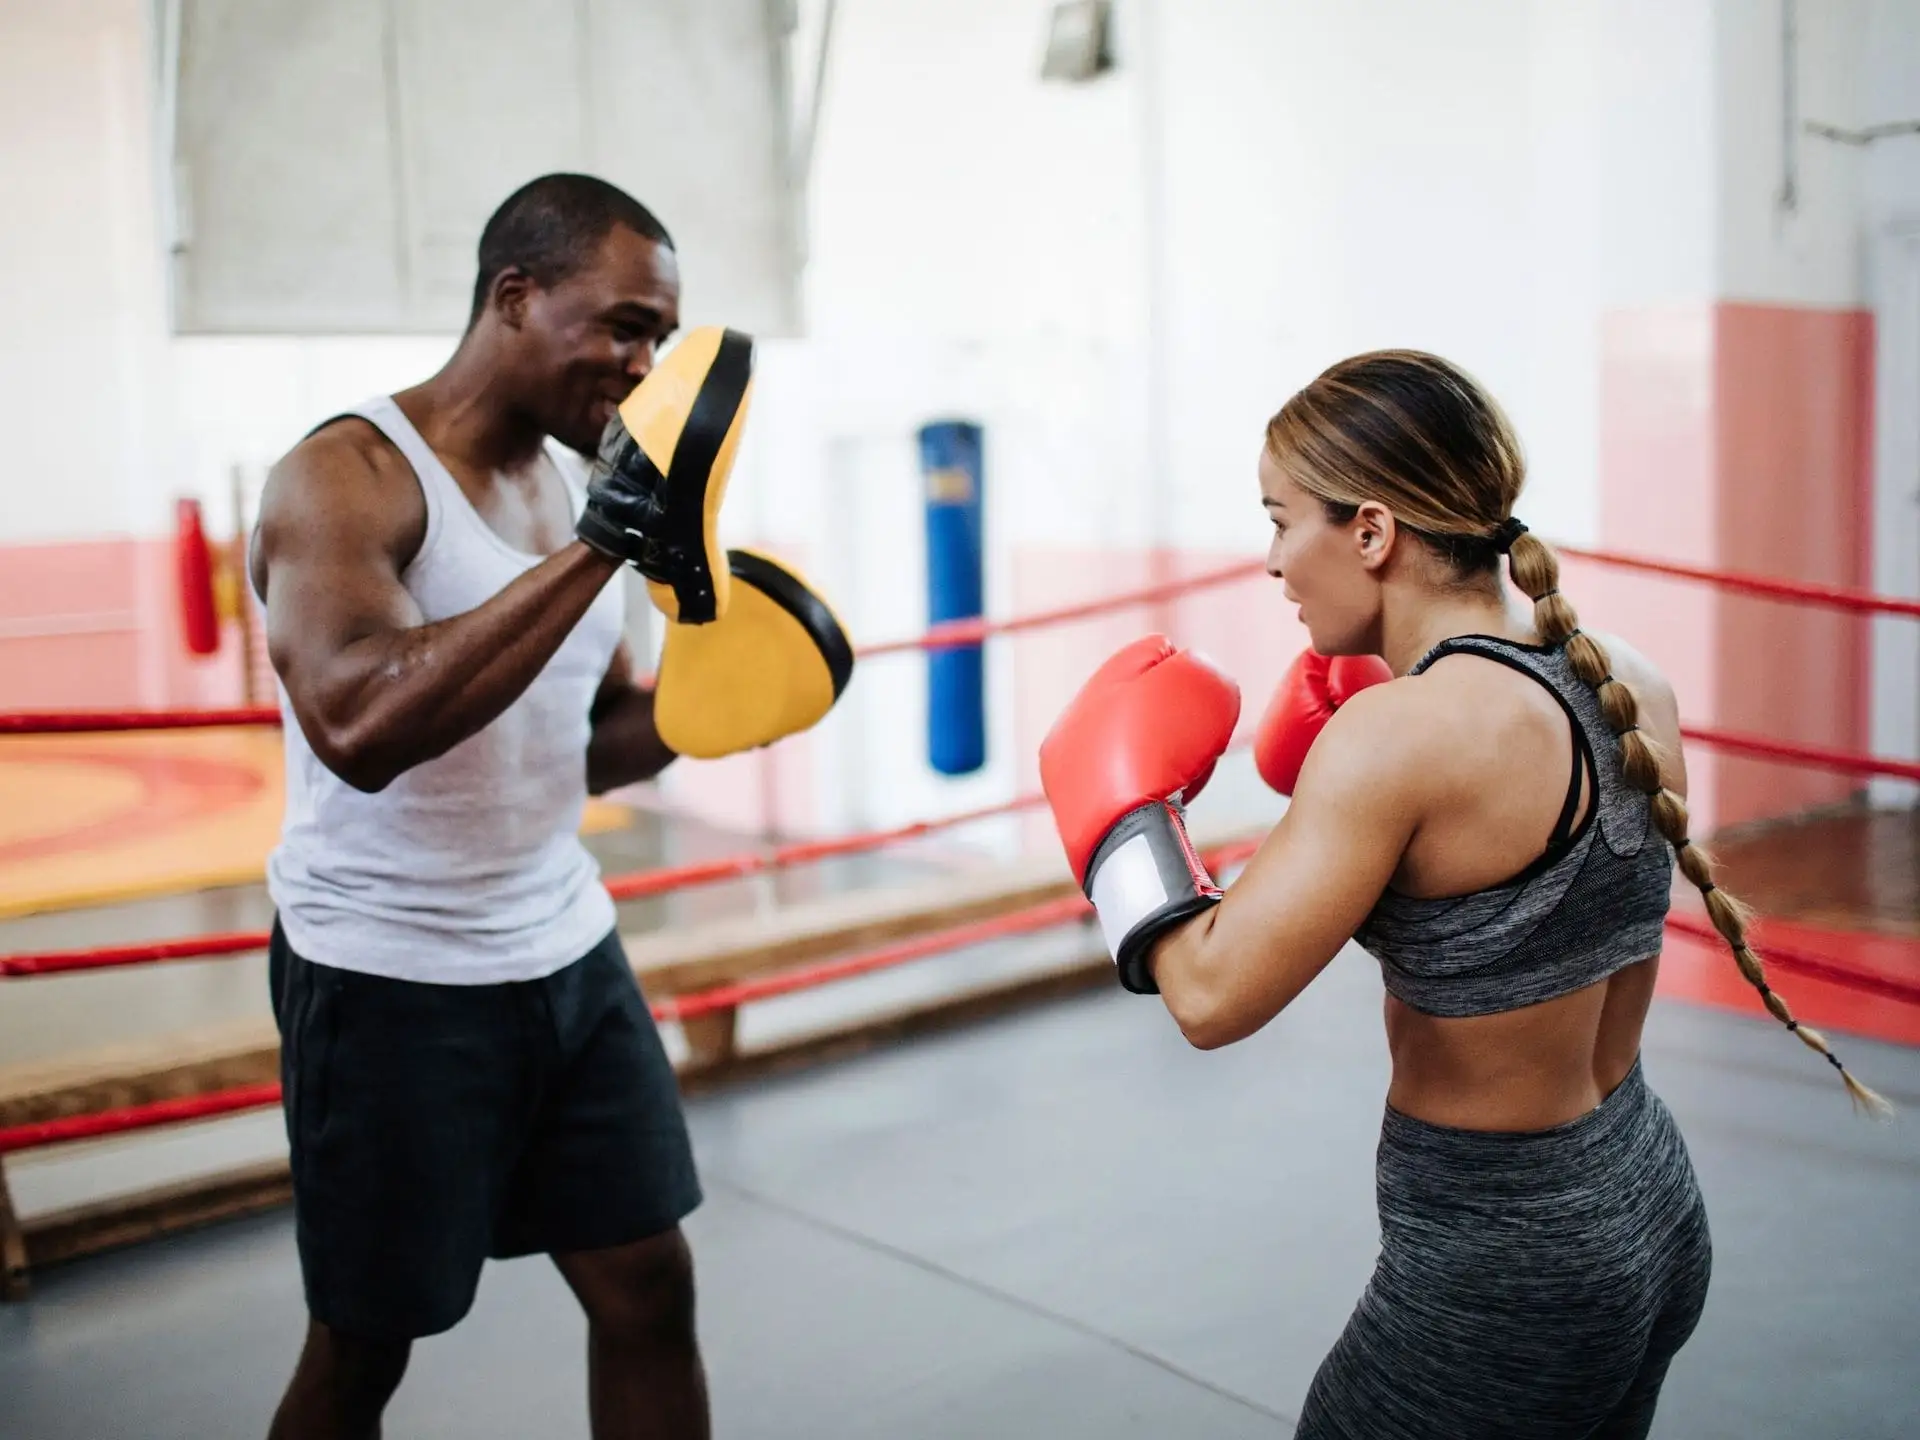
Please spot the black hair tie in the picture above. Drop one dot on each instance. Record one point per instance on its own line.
(1509, 531)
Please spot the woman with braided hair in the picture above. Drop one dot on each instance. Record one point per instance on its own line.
(1489, 799)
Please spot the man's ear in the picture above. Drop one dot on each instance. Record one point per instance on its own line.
(511, 291)
(1374, 533)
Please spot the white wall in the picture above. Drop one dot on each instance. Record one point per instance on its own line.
(108, 416)
(1809, 253)
(246, 400)
(1657, 156)
(1121, 280)
(83, 348)
(1341, 177)
(1890, 187)
(335, 160)
(1331, 177)
(1890, 91)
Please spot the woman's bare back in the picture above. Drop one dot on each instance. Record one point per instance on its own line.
(1511, 755)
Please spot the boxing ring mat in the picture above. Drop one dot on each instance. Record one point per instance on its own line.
(98, 818)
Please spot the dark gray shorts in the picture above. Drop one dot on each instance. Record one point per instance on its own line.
(434, 1126)
(1530, 1286)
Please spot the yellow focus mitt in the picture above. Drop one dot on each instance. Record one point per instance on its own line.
(653, 499)
(771, 666)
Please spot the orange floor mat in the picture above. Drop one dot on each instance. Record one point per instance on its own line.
(91, 819)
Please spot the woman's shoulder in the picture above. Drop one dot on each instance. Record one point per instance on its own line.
(1480, 706)
(1626, 663)
(1629, 665)
(1399, 729)
(1655, 703)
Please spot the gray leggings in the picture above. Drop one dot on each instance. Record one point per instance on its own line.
(1532, 1286)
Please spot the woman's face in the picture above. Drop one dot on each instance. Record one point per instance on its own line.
(1322, 566)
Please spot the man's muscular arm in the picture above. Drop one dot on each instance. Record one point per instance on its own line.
(375, 690)
(625, 747)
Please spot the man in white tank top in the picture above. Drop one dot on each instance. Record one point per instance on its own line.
(470, 1070)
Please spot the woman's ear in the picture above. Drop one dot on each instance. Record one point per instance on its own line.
(1374, 531)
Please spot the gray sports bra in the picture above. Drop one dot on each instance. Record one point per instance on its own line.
(1594, 902)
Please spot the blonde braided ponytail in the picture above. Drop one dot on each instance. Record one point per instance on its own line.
(1536, 573)
(1418, 434)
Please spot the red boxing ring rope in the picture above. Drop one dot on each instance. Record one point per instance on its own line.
(634, 886)
(653, 882)
(683, 1007)
(1839, 597)
(732, 867)
(1758, 747)
(970, 632)
(766, 987)
(1034, 918)
(643, 883)
(726, 997)
(954, 633)
(107, 957)
(137, 1117)
(75, 722)
(950, 635)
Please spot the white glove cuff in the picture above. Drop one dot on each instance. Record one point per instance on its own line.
(1145, 878)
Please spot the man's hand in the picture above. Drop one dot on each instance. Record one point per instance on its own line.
(653, 499)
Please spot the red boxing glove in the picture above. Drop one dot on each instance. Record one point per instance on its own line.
(1312, 689)
(1139, 739)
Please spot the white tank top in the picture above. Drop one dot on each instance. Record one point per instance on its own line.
(468, 869)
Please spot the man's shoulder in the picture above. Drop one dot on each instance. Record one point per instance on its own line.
(345, 446)
(343, 483)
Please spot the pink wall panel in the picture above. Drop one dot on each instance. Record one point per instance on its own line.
(1793, 391)
(92, 624)
(1739, 436)
(1657, 498)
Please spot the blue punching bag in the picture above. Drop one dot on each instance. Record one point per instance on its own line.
(956, 678)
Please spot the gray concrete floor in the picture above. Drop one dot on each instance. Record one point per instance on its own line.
(1061, 1224)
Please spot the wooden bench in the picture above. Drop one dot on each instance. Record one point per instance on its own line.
(669, 963)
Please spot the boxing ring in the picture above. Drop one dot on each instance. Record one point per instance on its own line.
(1006, 1274)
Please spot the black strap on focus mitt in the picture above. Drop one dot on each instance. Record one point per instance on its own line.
(653, 499)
